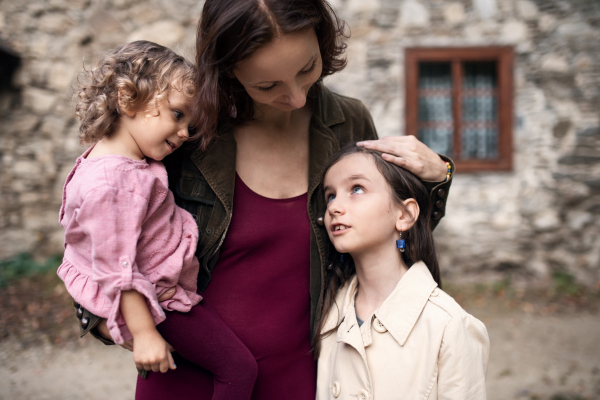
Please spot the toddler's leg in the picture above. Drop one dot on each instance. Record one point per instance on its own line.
(202, 337)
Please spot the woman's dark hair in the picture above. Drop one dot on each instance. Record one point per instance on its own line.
(419, 238)
(230, 31)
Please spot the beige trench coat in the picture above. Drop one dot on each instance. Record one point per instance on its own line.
(420, 344)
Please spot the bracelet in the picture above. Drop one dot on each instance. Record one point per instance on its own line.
(449, 173)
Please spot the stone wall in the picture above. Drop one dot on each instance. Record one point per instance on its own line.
(544, 215)
(541, 217)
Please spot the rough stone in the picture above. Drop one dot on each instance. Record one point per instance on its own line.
(39, 100)
(102, 21)
(576, 30)
(554, 63)
(414, 14)
(55, 23)
(166, 33)
(514, 31)
(485, 8)
(527, 10)
(454, 13)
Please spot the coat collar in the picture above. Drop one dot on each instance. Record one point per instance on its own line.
(399, 312)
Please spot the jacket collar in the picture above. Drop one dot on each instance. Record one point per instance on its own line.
(399, 312)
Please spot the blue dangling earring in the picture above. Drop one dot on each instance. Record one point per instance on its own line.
(341, 258)
(401, 243)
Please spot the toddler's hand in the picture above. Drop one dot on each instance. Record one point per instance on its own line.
(152, 353)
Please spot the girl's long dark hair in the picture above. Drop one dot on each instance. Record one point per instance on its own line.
(419, 238)
(230, 31)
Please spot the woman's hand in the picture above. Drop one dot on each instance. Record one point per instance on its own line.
(152, 353)
(409, 153)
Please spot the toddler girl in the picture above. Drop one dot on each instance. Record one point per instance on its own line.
(126, 242)
(387, 330)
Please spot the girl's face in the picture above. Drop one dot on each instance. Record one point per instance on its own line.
(280, 73)
(158, 132)
(361, 215)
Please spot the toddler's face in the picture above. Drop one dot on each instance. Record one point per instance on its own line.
(159, 131)
(361, 215)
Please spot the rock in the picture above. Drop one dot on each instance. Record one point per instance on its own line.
(527, 10)
(414, 14)
(547, 23)
(166, 33)
(561, 128)
(578, 219)
(546, 220)
(554, 63)
(514, 31)
(454, 13)
(576, 30)
(39, 100)
(485, 8)
(61, 76)
(2, 21)
(26, 169)
(102, 21)
(15, 241)
(55, 23)
(578, 159)
(589, 132)
(582, 62)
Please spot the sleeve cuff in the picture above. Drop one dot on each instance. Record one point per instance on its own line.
(438, 193)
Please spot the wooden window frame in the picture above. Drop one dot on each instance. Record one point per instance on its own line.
(504, 56)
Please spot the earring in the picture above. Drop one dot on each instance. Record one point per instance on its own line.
(232, 108)
(341, 258)
(401, 243)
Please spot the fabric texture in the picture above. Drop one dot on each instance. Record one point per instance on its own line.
(420, 344)
(123, 231)
(202, 337)
(260, 288)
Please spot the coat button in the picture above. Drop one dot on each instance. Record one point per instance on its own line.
(363, 395)
(84, 322)
(79, 313)
(437, 215)
(336, 389)
(439, 204)
(442, 193)
(378, 326)
(320, 221)
(124, 264)
(75, 304)
(435, 292)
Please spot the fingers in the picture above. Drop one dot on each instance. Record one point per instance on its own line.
(171, 361)
(167, 294)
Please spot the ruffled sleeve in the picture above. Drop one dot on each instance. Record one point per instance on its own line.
(113, 219)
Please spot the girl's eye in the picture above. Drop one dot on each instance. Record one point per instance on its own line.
(357, 190)
(330, 198)
(266, 89)
(310, 69)
(178, 114)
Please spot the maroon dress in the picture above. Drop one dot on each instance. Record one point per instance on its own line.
(260, 288)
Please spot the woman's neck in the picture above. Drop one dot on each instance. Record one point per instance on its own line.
(378, 273)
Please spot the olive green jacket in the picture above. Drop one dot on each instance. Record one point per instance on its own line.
(203, 184)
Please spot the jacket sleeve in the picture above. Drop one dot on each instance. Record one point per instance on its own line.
(438, 191)
(113, 219)
(463, 359)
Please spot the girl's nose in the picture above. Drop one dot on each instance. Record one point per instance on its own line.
(183, 133)
(335, 207)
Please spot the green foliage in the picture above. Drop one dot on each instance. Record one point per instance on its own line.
(564, 284)
(23, 265)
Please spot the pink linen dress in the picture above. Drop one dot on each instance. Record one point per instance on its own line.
(123, 231)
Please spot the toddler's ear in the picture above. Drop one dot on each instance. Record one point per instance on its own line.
(408, 216)
(125, 104)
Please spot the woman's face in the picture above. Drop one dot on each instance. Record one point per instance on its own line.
(280, 73)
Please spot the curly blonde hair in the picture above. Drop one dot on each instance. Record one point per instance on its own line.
(131, 77)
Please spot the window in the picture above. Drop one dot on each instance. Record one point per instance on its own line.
(459, 103)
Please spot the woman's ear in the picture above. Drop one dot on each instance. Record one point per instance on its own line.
(408, 216)
(124, 106)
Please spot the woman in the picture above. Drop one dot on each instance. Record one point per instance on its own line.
(266, 126)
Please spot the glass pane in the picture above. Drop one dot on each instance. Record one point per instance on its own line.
(435, 125)
(479, 111)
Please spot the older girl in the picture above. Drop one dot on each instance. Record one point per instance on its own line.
(387, 330)
(267, 125)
